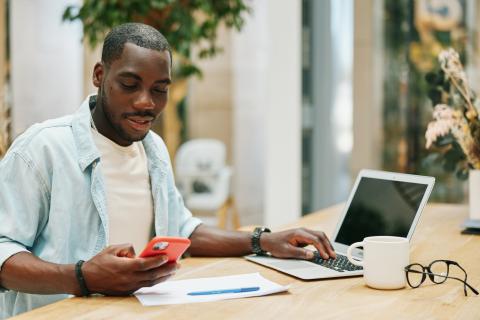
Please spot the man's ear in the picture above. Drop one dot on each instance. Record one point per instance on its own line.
(98, 74)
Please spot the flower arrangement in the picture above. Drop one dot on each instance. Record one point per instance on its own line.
(454, 132)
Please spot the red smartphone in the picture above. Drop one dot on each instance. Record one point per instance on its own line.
(173, 247)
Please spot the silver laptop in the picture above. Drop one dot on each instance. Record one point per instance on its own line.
(381, 203)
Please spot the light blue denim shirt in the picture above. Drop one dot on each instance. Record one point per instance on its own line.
(53, 202)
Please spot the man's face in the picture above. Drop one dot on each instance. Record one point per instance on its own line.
(133, 91)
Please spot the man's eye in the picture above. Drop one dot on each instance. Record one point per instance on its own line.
(161, 90)
(128, 85)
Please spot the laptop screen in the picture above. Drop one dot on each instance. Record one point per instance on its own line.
(381, 207)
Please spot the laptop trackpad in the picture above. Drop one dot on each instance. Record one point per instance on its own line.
(290, 264)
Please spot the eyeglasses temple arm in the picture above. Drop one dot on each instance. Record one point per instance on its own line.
(464, 282)
(471, 288)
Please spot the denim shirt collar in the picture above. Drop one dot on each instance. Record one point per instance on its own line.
(88, 152)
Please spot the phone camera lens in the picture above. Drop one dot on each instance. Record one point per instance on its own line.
(160, 246)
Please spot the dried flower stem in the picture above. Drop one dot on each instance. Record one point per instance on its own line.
(451, 65)
(461, 121)
(472, 112)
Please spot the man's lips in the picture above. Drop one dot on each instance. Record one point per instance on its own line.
(140, 123)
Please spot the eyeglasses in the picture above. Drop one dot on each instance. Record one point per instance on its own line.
(437, 271)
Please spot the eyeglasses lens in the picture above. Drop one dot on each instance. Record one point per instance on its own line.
(415, 275)
(440, 269)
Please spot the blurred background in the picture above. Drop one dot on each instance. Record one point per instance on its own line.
(287, 100)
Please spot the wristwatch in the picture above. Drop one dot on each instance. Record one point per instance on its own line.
(256, 248)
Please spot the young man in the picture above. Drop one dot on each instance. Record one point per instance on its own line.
(69, 187)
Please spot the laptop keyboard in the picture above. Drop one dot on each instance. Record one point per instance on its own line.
(340, 264)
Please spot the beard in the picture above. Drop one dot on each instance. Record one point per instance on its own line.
(115, 123)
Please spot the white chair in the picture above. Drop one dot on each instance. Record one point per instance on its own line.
(204, 180)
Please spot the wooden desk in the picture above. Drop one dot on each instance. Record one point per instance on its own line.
(437, 237)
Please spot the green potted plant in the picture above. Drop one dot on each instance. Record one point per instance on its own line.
(185, 23)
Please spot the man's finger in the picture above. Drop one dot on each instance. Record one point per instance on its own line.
(122, 250)
(330, 249)
(145, 264)
(127, 252)
(326, 246)
(300, 253)
(304, 236)
(163, 271)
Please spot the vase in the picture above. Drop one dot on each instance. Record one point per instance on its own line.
(474, 194)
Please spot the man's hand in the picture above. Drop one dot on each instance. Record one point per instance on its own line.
(290, 243)
(116, 271)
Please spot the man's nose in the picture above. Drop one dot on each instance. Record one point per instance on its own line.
(144, 101)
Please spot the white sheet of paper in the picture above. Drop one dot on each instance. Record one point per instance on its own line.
(175, 292)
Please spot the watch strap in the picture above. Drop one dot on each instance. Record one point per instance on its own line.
(256, 247)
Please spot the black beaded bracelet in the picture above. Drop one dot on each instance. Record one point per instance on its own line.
(81, 280)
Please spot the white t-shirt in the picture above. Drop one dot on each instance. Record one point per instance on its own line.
(129, 195)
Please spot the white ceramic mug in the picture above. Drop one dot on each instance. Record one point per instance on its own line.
(384, 260)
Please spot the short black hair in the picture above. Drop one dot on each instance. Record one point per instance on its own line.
(139, 34)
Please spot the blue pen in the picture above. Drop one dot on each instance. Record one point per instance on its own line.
(220, 291)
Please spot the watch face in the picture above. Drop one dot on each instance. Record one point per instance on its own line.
(262, 229)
